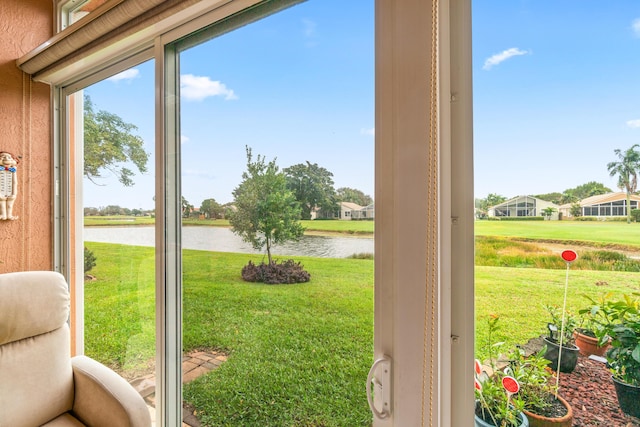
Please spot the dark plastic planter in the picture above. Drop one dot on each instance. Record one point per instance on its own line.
(569, 356)
(628, 397)
(479, 422)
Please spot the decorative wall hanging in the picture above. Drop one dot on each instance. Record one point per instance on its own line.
(8, 184)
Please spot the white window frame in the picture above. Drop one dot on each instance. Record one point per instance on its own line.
(399, 275)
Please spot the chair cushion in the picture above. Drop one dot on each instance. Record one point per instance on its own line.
(64, 420)
(36, 379)
(32, 303)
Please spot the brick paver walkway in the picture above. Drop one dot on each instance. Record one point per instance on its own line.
(193, 365)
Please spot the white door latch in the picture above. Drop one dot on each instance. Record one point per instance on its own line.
(380, 378)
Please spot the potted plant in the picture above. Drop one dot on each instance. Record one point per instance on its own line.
(542, 404)
(620, 322)
(561, 335)
(586, 334)
(497, 400)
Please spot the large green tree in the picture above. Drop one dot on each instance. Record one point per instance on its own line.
(491, 200)
(110, 145)
(626, 168)
(312, 186)
(211, 209)
(347, 194)
(267, 212)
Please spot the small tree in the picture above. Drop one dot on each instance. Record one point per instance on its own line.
(89, 260)
(267, 213)
(547, 212)
(576, 209)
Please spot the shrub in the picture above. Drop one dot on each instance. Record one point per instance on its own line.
(273, 273)
(89, 260)
(361, 255)
(635, 215)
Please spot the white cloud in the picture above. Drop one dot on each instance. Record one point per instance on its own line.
(370, 132)
(184, 139)
(198, 174)
(129, 74)
(200, 87)
(503, 56)
(310, 33)
(309, 27)
(635, 26)
(633, 123)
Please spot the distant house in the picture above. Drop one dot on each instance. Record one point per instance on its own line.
(522, 206)
(346, 211)
(604, 205)
(365, 213)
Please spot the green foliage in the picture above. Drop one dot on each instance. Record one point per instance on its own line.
(89, 260)
(275, 273)
(560, 324)
(267, 211)
(591, 188)
(576, 210)
(536, 388)
(619, 321)
(547, 212)
(491, 200)
(361, 255)
(511, 252)
(346, 194)
(627, 170)
(110, 145)
(494, 405)
(211, 209)
(635, 215)
(312, 187)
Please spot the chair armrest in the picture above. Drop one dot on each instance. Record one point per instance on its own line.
(103, 398)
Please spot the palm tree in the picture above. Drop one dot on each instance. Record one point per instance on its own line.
(626, 169)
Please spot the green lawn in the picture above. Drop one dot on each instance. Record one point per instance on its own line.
(602, 232)
(298, 354)
(519, 295)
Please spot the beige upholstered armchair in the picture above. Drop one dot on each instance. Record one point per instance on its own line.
(40, 384)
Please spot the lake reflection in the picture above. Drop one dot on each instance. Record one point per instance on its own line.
(222, 239)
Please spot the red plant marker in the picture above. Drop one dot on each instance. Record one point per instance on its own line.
(569, 255)
(510, 384)
(478, 367)
(477, 384)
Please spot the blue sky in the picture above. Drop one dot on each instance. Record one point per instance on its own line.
(296, 86)
(556, 90)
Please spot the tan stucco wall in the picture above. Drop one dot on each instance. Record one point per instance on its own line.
(25, 244)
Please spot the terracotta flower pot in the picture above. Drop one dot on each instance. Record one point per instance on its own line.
(536, 420)
(589, 345)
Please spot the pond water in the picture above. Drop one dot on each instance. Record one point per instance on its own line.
(222, 239)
